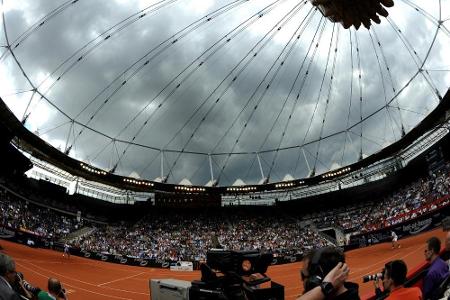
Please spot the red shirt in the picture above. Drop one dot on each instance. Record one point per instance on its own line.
(403, 293)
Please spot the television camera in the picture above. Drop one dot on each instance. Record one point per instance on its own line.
(236, 275)
(374, 277)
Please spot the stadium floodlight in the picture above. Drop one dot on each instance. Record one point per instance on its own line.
(354, 12)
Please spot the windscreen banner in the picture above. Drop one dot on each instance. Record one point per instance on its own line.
(425, 222)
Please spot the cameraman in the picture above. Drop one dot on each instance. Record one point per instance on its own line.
(324, 276)
(55, 291)
(394, 276)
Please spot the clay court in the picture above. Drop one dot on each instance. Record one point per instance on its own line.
(90, 279)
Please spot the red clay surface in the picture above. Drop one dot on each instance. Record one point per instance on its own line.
(87, 279)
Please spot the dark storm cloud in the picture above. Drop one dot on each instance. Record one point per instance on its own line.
(233, 116)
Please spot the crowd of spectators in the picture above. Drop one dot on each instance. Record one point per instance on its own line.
(165, 236)
(408, 202)
(188, 236)
(41, 221)
(176, 237)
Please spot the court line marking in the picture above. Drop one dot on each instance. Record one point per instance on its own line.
(389, 259)
(73, 260)
(87, 283)
(125, 291)
(71, 285)
(52, 262)
(359, 270)
(120, 279)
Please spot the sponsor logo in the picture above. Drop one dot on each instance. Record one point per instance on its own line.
(143, 263)
(274, 261)
(104, 258)
(123, 260)
(87, 254)
(290, 258)
(418, 226)
(181, 268)
(7, 234)
(165, 265)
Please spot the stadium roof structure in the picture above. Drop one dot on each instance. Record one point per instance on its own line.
(213, 93)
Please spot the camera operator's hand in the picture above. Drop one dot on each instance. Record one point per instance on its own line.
(338, 275)
(62, 294)
(23, 291)
(376, 283)
(379, 294)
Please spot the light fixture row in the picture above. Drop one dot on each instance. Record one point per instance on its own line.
(241, 189)
(190, 189)
(137, 182)
(336, 173)
(92, 170)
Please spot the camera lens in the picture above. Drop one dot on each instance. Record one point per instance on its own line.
(368, 278)
(20, 275)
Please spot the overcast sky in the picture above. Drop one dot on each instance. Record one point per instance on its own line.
(219, 77)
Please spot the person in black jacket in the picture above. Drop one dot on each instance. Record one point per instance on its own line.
(324, 276)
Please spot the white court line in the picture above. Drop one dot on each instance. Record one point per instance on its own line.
(359, 270)
(120, 279)
(53, 262)
(83, 261)
(388, 259)
(126, 291)
(87, 283)
(75, 287)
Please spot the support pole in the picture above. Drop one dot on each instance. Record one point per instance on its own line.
(211, 168)
(162, 165)
(263, 178)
